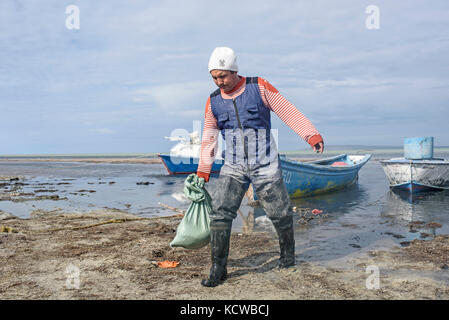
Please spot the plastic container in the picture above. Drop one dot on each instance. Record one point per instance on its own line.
(418, 148)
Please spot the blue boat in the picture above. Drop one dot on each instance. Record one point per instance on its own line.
(185, 165)
(320, 176)
(301, 178)
(416, 176)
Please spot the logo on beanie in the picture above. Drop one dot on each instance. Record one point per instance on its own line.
(222, 62)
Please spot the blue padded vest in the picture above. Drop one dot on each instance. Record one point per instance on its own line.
(243, 121)
(252, 111)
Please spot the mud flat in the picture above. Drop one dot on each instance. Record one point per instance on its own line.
(11, 190)
(109, 254)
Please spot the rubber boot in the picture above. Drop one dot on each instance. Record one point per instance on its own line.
(220, 234)
(284, 229)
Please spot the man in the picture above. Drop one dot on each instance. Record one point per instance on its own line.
(240, 110)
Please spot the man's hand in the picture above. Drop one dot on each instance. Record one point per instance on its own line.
(319, 147)
(203, 175)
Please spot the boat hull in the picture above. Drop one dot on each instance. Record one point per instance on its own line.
(311, 178)
(413, 187)
(301, 178)
(184, 165)
(417, 176)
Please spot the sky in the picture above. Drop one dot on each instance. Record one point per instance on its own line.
(135, 71)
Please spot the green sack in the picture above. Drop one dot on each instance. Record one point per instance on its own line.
(193, 231)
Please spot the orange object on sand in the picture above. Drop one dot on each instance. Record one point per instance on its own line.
(339, 164)
(168, 264)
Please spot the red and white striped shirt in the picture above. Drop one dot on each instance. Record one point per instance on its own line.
(272, 100)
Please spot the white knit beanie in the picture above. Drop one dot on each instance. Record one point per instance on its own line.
(223, 58)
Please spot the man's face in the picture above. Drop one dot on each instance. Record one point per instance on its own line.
(224, 79)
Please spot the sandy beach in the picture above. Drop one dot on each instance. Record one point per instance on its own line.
(109, 254)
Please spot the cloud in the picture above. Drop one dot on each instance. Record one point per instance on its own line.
(140, 68)
(104, 131)
(173, 98)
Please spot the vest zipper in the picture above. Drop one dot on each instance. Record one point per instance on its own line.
(245, 146)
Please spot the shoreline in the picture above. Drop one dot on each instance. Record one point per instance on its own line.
(87, 160)
(115, 256)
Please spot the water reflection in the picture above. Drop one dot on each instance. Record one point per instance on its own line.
(420, 196)
(335, 203)
(422, 212)
(332, 204)
(423, 206)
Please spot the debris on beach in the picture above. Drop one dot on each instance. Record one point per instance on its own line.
(7, 229)
(306, 215)
(166, 206)
(168, 264)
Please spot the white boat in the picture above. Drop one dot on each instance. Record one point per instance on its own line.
(186, 147)
(417, 175)
(184, 156)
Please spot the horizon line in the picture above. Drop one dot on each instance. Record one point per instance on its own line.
(147, 154)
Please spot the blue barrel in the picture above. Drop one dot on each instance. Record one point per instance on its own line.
(418, 148)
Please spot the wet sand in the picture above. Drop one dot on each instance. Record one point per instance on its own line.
(115, 256)
(110, 254)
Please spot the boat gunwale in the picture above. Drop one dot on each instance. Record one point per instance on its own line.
(163, 156)
(293, 165)
(414, 162)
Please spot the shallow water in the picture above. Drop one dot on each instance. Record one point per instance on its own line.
(369, 216)
(363, 217)
(115, 185)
